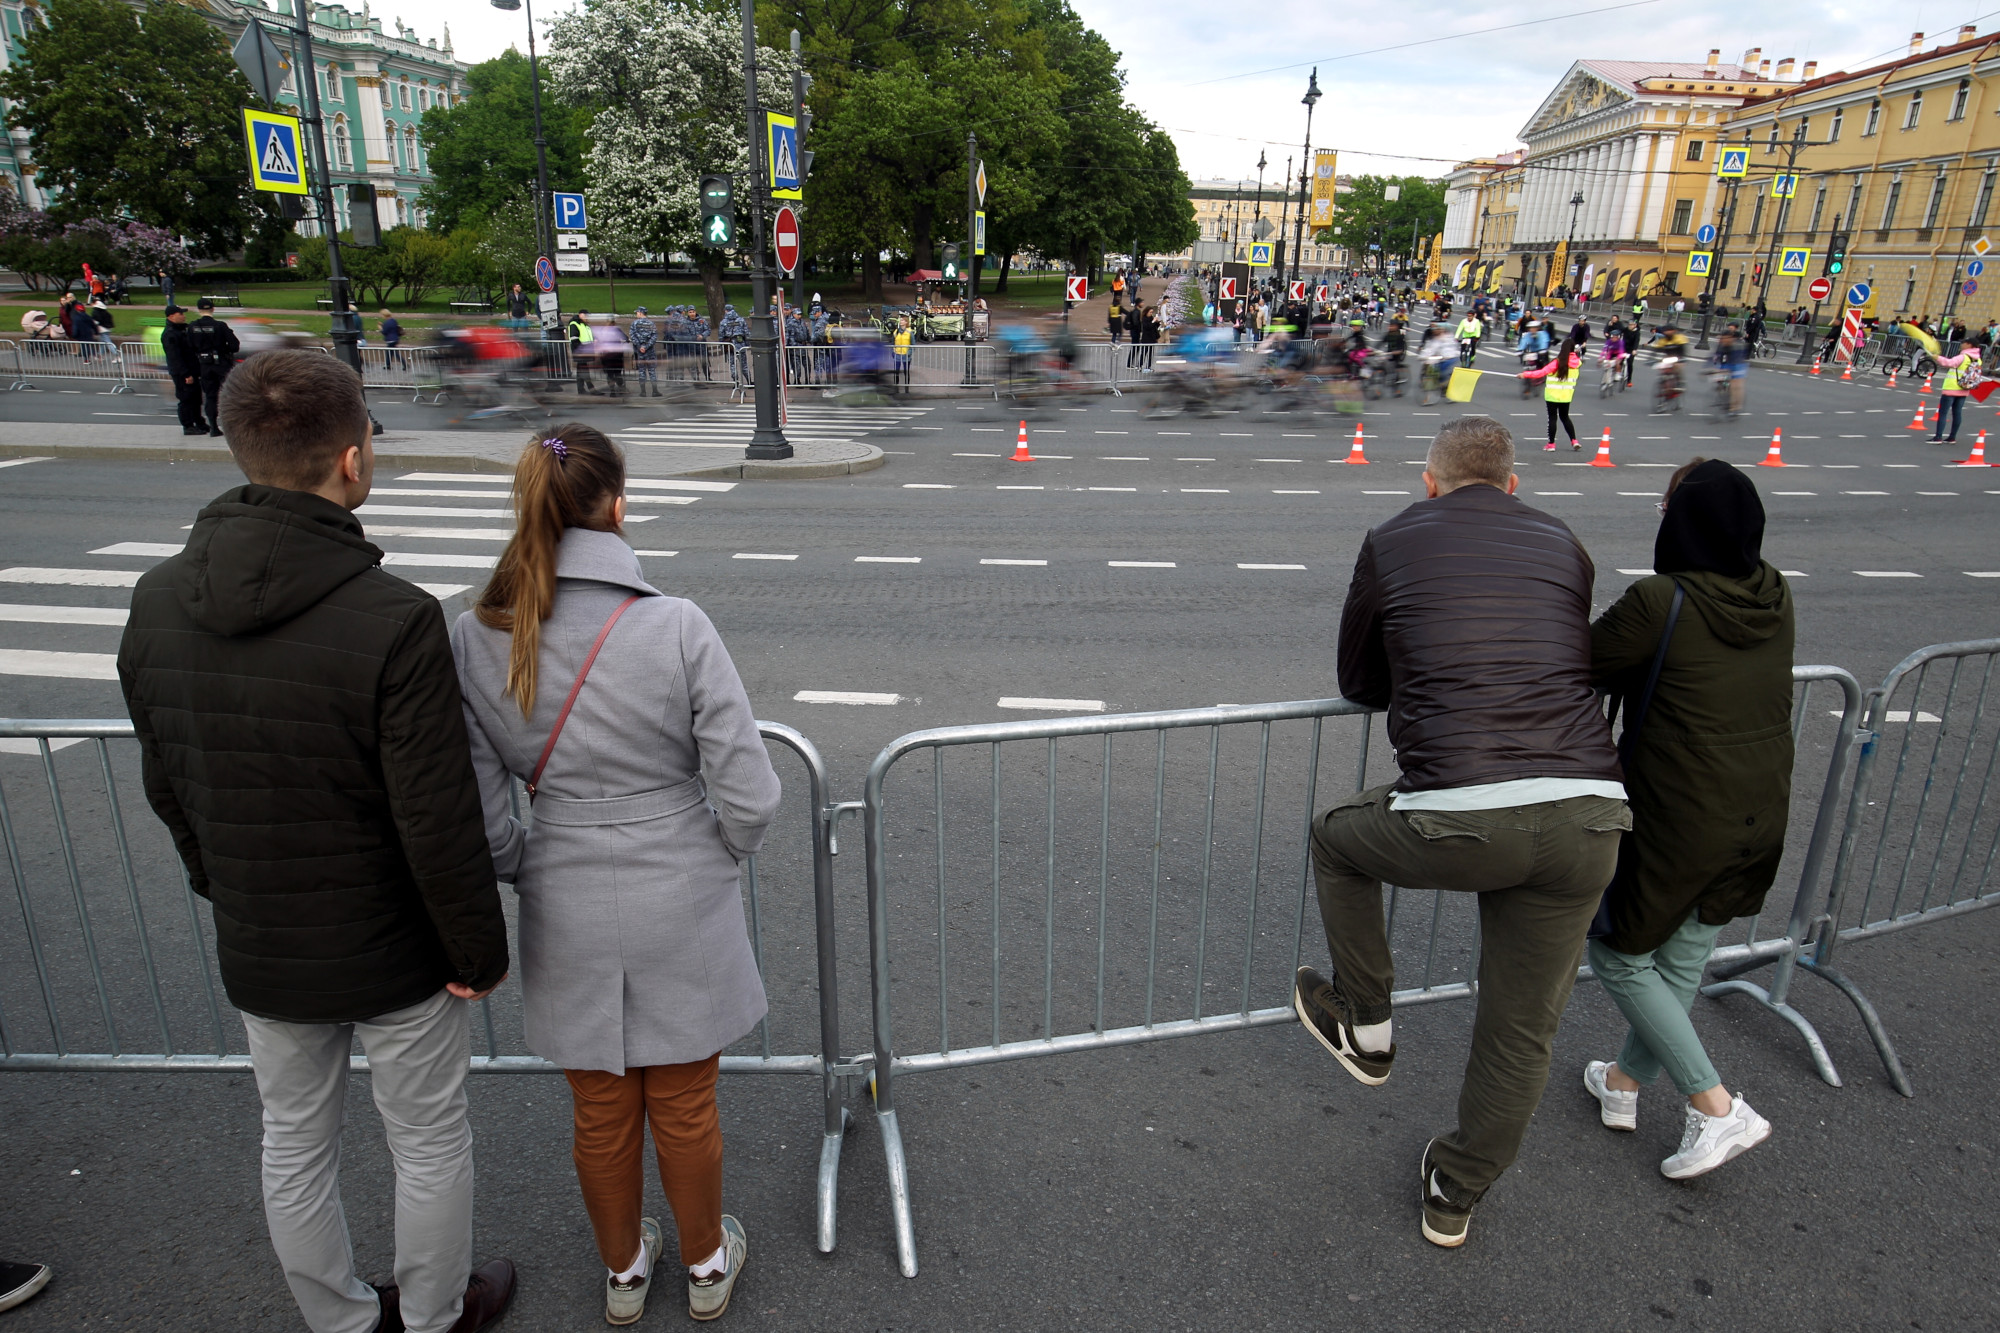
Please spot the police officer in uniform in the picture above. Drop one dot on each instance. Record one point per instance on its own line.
(215, 348)
(184, 369)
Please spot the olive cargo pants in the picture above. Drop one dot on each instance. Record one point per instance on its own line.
(1539, 871)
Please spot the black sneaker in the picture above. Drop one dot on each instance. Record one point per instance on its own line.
(1326, 1015)
(19, 1282)
(1447, 1205)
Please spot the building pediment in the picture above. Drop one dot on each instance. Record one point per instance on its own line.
(1580, 95)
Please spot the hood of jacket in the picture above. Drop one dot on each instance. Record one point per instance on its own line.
(1741, 612)
(259, 556)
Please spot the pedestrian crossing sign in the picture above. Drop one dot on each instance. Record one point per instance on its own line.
(1260, 254)
(1792, 261)
(1784, 186)
(1733, 163)
(275, 161)
(1698, 263)
(783, 157)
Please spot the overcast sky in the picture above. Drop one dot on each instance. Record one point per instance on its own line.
(1195, 66)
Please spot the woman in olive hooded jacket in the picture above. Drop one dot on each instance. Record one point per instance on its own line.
(1709, 780)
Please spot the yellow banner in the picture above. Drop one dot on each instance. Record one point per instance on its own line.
(1435, 270)
(1558, 268)
(1323, 189)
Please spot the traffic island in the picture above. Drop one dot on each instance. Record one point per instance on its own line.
(810, 459)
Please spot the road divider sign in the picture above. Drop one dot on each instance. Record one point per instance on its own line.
(1225, 289)
(1076, 288)
(1298, 290)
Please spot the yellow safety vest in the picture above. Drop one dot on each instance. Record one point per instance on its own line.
(1951, 379)
(902, 342)
(582, 332)
(1556, 390)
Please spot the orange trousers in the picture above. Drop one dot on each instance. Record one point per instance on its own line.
(612, 1112)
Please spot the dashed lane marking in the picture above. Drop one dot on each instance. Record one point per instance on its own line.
(844, 697)
(1887, 574)
(65, 666)
(1052, 705)
(62, 615)
(1141, 564)
(888, 560)
(1244, 566)
(758, 555)
(1013, 562)
(82, 578)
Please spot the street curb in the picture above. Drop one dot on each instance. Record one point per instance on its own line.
(800, 470)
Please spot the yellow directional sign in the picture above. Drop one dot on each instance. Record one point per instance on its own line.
(276, 164)
(1699, 262)
(1793, 261)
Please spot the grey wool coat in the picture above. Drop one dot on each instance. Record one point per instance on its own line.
(633, 947)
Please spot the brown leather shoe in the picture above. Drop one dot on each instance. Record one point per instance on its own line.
(486, 1296)
(392, 1308)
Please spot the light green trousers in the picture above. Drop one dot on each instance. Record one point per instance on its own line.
(1655, 991)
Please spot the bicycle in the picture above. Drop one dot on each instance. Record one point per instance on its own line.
(1613, 378)
(1667, 388)
(1721, 408)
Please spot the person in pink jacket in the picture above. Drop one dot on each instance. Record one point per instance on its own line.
(1961, 372)
(1559, 380)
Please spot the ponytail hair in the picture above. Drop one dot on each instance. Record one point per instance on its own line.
(567, 477)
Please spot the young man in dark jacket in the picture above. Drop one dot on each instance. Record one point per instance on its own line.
(1469, 621)
(183, 369)
(302, 737)
(215, 348)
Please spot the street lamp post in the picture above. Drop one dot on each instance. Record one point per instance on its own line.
(1575, 202)
(541, 152)
(1310, 100)
(1257, 219)
(346, 325)
(767, 440)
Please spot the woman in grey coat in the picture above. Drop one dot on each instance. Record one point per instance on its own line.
(650, 786)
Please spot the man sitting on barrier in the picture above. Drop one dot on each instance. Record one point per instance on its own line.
(304, 741)
(1468, 619)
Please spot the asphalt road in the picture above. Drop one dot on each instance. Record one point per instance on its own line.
(1237, 1180)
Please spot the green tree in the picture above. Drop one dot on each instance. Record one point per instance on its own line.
(134, 113)
(482, 151)
(1366, 216)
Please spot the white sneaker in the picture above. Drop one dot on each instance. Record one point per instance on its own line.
(1710, 1140)
(624, 1302)
(709, 1296)
(1618, 1110)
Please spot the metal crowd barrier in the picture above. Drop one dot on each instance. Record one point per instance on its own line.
(133, 987)
(1096, 875)
(1920, 841)
(37, 360)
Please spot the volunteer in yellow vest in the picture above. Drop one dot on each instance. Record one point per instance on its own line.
(581, 353)
(1961, 372)
(903, 351)
(1559, 380)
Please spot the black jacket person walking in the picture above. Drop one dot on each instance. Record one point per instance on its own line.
(215, 349)
(183, 370)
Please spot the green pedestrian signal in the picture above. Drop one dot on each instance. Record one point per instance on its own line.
(949, 263)
(718, 212)
(1836, 254)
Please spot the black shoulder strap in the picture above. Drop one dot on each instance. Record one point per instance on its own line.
(1636, 717)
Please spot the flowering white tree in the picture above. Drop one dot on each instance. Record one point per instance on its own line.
(665, 84)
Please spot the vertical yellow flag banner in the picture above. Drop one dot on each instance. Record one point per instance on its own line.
(1323, 189)
(1558, 268)
(1436, 269)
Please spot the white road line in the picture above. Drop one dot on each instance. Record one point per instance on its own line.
(432, 490)
(62, 615)
(1937, 492)
(139, 548)
(1982, 573)
(426, 560)
(23, 462)
(1864, 492)
(662, 554)
(1114, 432)
(1898, 715)
(1194, 460)
(1235, 434)
(1013, 562)
(1114, 488)
(1793, 573)
(1385, 492)
(84, 578)
(429, 511)
(844, 697)
(648, 484)
(1123, 458)
(1795, 492)
(662, 499)
(1201, 490)
(441, 591)
(1053, 705)
(1887, 574)
(888, 560)
(1020, 488)
(22, 745)
(1295, 492)
(1558, 492)
(976, 455)
(459, 534)
(1244, 566)
(1141, 564)
(1651, 495)
(1635, 571)
(754, 555)
(928, 486)
(65, 666)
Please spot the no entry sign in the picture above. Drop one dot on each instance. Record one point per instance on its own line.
(785, 238)
(1076, 289)
(1820, 289)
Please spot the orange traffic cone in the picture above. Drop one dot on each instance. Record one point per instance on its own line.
(1776, 456)
(1917, 422)
(1603, 458)
(1892, 378)
(1355, 455)
(1927, 383)
(1978, 455)
(1815, 369)
(1021, 454)
(1847, 370)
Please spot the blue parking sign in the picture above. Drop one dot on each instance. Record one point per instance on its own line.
(569, 212)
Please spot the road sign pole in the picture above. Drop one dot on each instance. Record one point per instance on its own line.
(346, 330)
(768, 440)
(1721, 245)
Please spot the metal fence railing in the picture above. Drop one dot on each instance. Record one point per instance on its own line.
(1149, 913)
(114, 967)
(30, 363)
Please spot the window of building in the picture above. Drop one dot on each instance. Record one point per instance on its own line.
(1819, 207)
(382, 86)
(1683, 214)
(423, 97)
(342, 155)
(1936, 204)
(1874, 118)
(1694, 150)
(395, 144)
(1984, 199)
(403, 94)
(1771, 144)
(1960, 98)
(410, 147)
(1853, 214)
(1916, 111)
(1757, 216)
(1833, 130)
(1889, 204)
(1910, 289)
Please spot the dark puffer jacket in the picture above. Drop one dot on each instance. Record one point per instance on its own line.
(303, 738)
(1469, 620)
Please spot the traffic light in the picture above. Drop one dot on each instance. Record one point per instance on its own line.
(1836, 254)
(950, 263)
(1757, 274)
(718, 211)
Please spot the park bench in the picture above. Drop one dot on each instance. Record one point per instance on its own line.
(472, 301)
(220, 291)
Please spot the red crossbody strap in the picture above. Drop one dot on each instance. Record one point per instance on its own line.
(535, 778)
